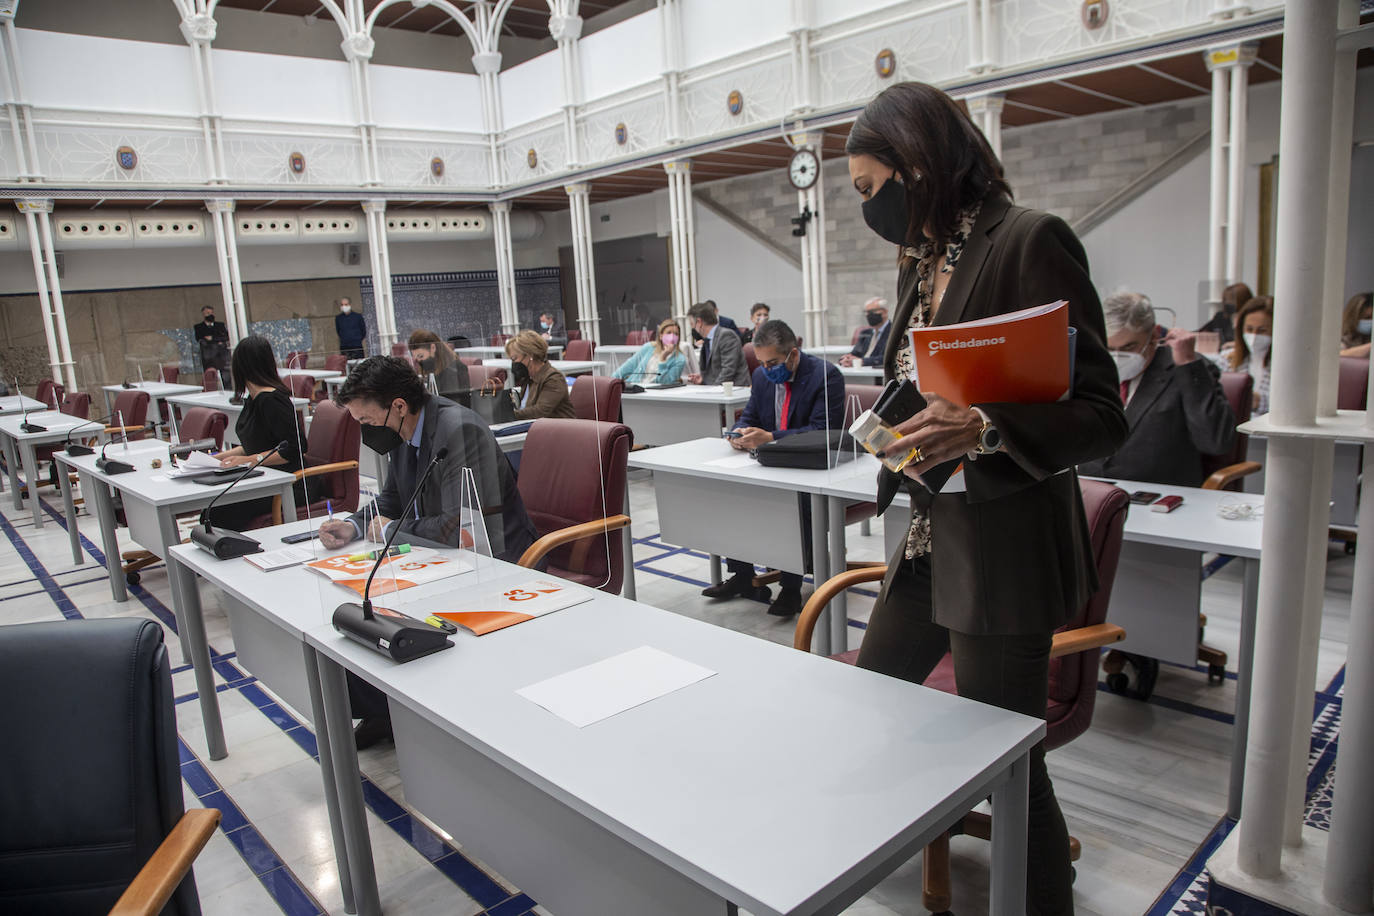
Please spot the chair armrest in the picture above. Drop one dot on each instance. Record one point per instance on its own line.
(827, 590)
(113, 430)
(152, 887)
(1231, 473)
(310, 472)
(537, 551)
(1080, 639)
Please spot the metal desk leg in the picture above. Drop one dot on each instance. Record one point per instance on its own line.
(288, 503)
(331, 789)
(64, 480)
(714, 566)
(12, 462)
(348, 782)
(31, 472)
(1010, 823)
(170, 535)
(839, 607)
(822, 642)
(1249, 605)
(629, 541)
(186, 592)
(104, 508)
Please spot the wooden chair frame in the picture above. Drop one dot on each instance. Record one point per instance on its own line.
(314, 471)
(597, 526)
(155, 882)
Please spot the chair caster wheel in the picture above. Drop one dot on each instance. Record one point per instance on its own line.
(1117, 683)
(1216, 674)
(133, 578)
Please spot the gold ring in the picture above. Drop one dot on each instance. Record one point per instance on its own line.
(919, 456)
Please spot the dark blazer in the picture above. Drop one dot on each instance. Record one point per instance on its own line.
(213, 344)
(548, 397)
(1012, 555)
(725, 360)
(471, 445)
(817, 400)
(1177, 415)
(861, 347)
(352, 330)
(558, 334)
(453, 378)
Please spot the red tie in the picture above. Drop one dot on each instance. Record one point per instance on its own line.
(1125, 391)
(786, 403)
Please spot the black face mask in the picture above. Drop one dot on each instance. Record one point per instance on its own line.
(520, 373)
(887, 212)
(874, 318)
(209, 319)
(427, 364)
(381, 439)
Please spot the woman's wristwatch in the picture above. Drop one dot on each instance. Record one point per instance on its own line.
(989, 439)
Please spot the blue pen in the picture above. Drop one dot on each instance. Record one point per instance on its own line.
(329, 510)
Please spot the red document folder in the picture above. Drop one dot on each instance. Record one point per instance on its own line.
(1020, 357)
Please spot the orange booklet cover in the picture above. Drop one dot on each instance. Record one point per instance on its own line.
(408, 570)
(1020, 357)
(511, 605)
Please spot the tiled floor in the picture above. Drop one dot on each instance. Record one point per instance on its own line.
(1141, 789)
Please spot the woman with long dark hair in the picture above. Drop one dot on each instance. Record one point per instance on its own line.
(1251, 348)
(989, 574)
(435, 359)
(268, 418)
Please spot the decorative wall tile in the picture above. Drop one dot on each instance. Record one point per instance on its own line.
(464, 302)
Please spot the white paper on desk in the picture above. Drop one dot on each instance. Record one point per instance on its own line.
(740, 460)
(602, 689)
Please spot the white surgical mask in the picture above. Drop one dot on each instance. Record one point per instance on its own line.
(345, 309)
(1363, 326)
(1258, 344)
(1128, 365)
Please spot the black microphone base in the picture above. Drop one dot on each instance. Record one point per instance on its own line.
(110, 466)
(223, 543)
(398, 637)
(77, 451)
(32, 428)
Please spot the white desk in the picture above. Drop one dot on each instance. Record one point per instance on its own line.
(498, 352)
(318, 375)
(157, 392)
(219, 400)
(872, 375)
(565, 366)
(20, 446)
(616, 355)
(829, 352)
(634, 814)
(18, 403)
(669, 415)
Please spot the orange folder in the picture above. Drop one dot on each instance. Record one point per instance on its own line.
(1020, 357)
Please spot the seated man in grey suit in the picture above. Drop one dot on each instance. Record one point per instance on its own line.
(1175, 405)
(722, 355)
(402, 421)
(551, 329)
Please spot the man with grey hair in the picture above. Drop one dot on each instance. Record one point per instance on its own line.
(722, 355)
(1175, 406)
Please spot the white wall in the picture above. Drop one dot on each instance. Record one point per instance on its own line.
(621, 56)
(425, 99)
(106, 74)
(736, 271)
(274, 87)
(532, 90)
(712, 29)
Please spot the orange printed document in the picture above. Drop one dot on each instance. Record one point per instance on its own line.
(1021, 357)
(508, 606)
(407, 570)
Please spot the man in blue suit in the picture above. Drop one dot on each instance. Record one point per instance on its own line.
(872, 343)
(791, 392)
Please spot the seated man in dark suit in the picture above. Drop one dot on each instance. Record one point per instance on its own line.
(551, 329)
(400, 420)
(722, 354)
(1175, 405)
(791, 392)
(872, 342)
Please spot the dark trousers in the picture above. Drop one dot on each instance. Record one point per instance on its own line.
(902, 640)
(788, 579)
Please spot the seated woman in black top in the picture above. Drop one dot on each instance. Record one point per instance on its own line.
(435, 358)
(268, 418)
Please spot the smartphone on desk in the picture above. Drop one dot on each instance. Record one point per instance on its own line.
(730, 434)
(300, 537)
(1143, 497)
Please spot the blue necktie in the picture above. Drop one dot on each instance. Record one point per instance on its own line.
(705, 353)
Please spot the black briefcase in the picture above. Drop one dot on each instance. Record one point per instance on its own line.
(813, 450)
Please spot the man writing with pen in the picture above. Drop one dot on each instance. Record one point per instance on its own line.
(402, 421)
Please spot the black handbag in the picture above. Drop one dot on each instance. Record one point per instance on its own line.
(813, 450)
(493, 405)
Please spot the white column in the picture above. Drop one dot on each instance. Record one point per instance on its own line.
(487, 64)
(199, 31)
(1216, 214)
(1337, 218)
(505, 267)
(20, 112)
(588, 314)
(378, 251)
(670, 41)
(814, 304)
(1304, 149)
(1235, 160)
(230, 281)
(800, 33)
(34, 211)
(682, 236)
(357, 49)
(986, 111)
(566, 30)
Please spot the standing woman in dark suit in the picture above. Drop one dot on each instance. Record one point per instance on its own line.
(268, 418)
(991, 573)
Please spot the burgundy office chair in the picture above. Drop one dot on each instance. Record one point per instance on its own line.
(579, 349)
(297, 359)
(1073, 662)
(1224, 471)
(204, 423)
(566, 467)
(77, 404)
(400, 348)
(170, 374)
(574, 334)
(209, 380)
(638, 338)
(596, 397)
(336, 362)
(480, 376)
(331, 454)
(132, 405)
(47, 393)
(867, 396)
(470, 360)
(499, 340)
(1354, 383)
(74, 404)
(301, 386)
(750, 359)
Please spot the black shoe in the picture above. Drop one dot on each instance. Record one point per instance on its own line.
(788, 603)
(738, 584)
(371, 731)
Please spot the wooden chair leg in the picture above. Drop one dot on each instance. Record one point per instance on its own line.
(935, 890)
(767, 578)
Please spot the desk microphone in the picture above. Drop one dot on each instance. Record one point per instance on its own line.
(111, 465)
(226, 544)
(398, 637)
(76, 448)
(24, 424)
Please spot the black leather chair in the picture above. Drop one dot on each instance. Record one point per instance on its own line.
(90, 784)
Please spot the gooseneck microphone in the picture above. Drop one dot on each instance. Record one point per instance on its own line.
(226, 544)
(24, 424)
(398, 637)
(76, 448)
(112, 465)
